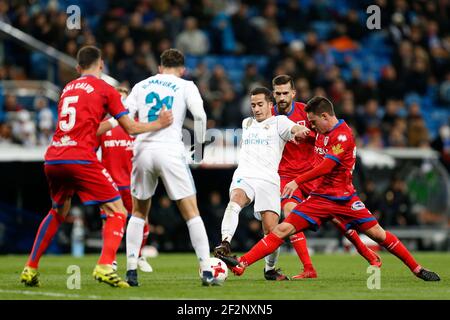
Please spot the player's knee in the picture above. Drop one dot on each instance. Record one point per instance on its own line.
(239, 197)
(114, 207)
(376, 233)
(283, 230)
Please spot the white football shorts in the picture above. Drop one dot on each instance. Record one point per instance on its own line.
(266, 195)
(151, 163)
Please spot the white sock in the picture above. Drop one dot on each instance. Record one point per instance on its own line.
(199, 238)
(271, 260)
(230, 221)
(135, 234)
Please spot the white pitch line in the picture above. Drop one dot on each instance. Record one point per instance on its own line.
(49, 294)
(70, 295)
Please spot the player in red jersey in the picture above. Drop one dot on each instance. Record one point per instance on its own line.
(71, 165)
(297, 159)
(116, 147)
(335, 196)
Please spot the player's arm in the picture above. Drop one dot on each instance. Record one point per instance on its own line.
(106, 126)
(300, 132)
(325, 167)
(288, 129)
(117, 109)
(165, 119)
(194, 103)
(132, 127)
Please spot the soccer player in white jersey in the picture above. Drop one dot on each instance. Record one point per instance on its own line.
(163, 155)
(256, 177)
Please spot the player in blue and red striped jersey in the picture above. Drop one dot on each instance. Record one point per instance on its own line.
(116, 147)
(334, 197)
(71, 165)
(297, 159)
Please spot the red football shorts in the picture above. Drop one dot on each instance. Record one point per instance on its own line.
(91, 182)
(316, 209)
(299, 195)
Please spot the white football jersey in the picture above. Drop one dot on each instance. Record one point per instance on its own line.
(149, 96)
(262, 146)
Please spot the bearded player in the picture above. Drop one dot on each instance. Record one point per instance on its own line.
(334, 197)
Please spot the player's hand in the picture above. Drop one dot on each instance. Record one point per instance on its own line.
(197, 151)
(289, 189)
(165, 117)
(301, 133)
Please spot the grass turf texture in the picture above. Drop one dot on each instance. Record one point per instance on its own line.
(175, 276)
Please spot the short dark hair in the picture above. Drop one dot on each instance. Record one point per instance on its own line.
(283, 79)
(172, 58)
(262, 90)
(87, 56)
(318, 105)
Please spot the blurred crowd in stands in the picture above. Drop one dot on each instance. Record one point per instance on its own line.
(387, 107)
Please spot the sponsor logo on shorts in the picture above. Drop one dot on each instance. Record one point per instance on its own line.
(358, 205)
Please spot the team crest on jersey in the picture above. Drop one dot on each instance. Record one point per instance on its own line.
(325, 141)
(266, 127)
(358, 205)
(342, 137)
(301, 122)
(109, 133)
(337, 149)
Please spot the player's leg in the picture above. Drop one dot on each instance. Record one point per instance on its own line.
(230, 220)
(47, 230)
(303, 217)
(61, 189)
(362, 249)
(396, 247)
(269, 221)
(262, 248)
(143, 264)
(94, 185)
(135, 231)
(197, 232)
(299, 243)
(355, 215)
(144, 180)
(180, 187)
(112, 234)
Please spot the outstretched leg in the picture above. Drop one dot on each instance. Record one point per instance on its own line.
(396, 247)
(47, 230)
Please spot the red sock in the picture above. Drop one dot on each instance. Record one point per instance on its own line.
(362, 249)
(396, 247)
(113, 231)
(47, 230)
(265, 246)
(298, 241)
(144, 239)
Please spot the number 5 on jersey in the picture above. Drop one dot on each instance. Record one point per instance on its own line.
(67, 110)
(156, 104)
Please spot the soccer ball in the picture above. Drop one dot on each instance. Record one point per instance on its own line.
(214, 272)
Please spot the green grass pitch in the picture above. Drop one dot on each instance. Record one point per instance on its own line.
(175, 276)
